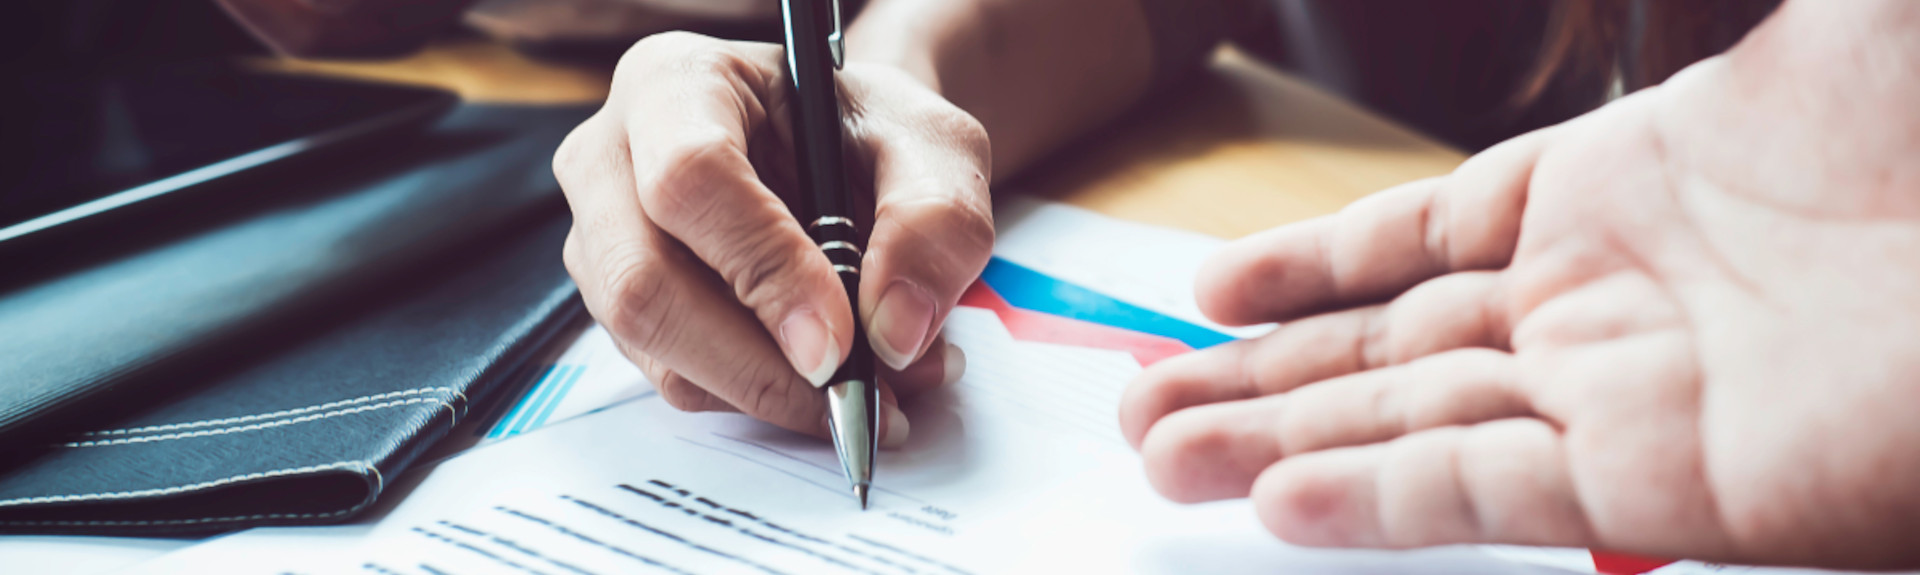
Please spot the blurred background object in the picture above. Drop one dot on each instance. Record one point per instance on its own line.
(1470, 72)
(550, 23)
(83, 35)
(117, 103)
(598, 28)
(1475, 72)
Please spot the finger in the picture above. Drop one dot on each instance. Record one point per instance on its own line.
(943, 364)
(1450, 312)
(933, 219)
(685, 395)
(1379, 246)
(694, 179)
(676, 390)
(660, 303)
(1505, 481)
(894, 428)
(1215, 451)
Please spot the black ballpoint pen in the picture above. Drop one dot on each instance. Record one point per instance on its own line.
(814, 50)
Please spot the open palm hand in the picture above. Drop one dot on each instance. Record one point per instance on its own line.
(1686, 325)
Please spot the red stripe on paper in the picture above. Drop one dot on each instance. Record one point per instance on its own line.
(1034, 326)
(1618, 564)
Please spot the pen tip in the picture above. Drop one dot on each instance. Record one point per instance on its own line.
(860, 492)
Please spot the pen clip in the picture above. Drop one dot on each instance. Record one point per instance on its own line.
(836, 42)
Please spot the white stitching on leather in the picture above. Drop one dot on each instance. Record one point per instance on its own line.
(276, 414)
(161, 491)
(253, 427)
(255, 517)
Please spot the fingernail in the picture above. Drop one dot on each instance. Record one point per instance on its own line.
(956, 364)
(897, 427)
(810, 347)
(900, 323)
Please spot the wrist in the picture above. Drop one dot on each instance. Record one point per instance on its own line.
(1839, 43)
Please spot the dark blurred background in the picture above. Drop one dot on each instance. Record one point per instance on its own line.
(102, 35)
(1470, 72)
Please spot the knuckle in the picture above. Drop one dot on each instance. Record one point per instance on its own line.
(680, 39)
(639, 303)
(686, 63)
(972, 226)
(714, 60)
(1291, 504)
(1475, 361)
(676, 188)
(570, 255)
(960, 128)
(770, 394)
(1376, 343)
(680, 393)
(1393, 416)
(567, 158)
(762, 266)
(680, 54)
(964, 226)
(744, 240)
(589, 151)
(649, 367)
(1172, 448)
(1149, 398)
(660, 48)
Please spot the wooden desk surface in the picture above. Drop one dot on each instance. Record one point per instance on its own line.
(1240, 149)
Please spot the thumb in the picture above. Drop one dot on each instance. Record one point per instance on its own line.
(933, 225)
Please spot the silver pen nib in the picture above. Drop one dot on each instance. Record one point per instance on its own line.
(852, 408)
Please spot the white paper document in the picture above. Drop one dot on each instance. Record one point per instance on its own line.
(1017, 468)
(1020, 467)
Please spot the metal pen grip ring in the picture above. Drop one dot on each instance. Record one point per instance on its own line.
(840, 245)
(825, 221)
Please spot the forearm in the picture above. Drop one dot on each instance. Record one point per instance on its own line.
(1035, 72)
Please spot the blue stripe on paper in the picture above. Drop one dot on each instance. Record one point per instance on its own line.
(500, 427)
(547, 394)
(546, 412)
(1031, 290)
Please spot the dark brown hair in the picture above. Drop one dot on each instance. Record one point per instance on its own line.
(1638, 42)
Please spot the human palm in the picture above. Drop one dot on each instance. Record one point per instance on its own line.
(1685, 325)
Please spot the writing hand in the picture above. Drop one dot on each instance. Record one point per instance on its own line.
(685, 250)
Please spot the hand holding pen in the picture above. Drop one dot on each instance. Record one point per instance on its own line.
(831, 214)
(688, 245)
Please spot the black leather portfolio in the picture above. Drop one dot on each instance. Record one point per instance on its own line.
(243, 267)
(311, 433)
(279, 365)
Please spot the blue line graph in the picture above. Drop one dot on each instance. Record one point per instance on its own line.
(546, 411)
(538, 404)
